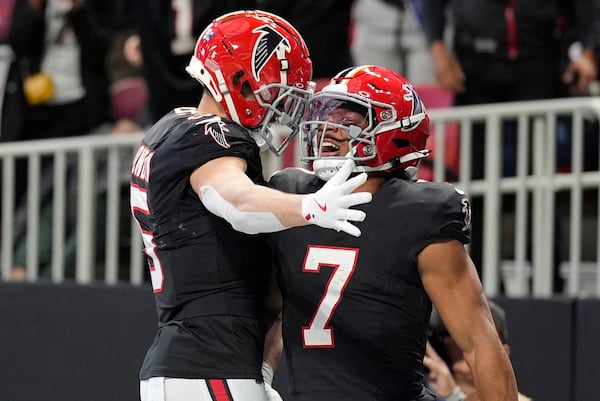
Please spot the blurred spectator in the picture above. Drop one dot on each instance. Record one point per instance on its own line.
(325, 26)
(507, 51)
(6, 8)
(526, 42)
(447, 371)
(168, 30)
(390, 33)
(127, 87)
(60, 47)
(10, 92)
(62, 44)
(538, 50)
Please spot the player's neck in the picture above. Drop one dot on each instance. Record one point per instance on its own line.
(372, 184)
(209, 106)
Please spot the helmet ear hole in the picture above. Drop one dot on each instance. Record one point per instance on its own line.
(401, 143)
(246, 91)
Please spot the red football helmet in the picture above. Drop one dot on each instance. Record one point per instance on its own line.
(257, 66)
(392, 134)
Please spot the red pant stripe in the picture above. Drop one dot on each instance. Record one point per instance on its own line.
(219, 390)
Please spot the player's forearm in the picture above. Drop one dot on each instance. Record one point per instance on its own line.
(495, 379)
(286, 207)
(226, 192)
(252, 208)
(273, 344)
(250, 198)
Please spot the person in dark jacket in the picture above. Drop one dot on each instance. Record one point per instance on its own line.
(325, 25)
(526, 43)
(509, 50)
(67, 42)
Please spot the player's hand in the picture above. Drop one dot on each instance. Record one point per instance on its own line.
(448, 71)
(439, 377)
(581, 71)
(329, 207)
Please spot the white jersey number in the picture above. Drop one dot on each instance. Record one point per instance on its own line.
(318, 334)
(139, 203)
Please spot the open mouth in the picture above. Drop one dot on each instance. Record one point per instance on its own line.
(330, 148)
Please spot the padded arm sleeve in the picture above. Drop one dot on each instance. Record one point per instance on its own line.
(246, 222)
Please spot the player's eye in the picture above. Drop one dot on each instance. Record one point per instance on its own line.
(348, 121)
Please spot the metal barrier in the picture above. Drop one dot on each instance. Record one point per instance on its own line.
(530, 269)
(537, 180)
(89, 155)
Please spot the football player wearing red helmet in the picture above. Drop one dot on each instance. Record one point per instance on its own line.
(197, 191)
(394, 123)
(258, 69)
(356, 310)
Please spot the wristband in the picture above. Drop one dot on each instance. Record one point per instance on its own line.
(267, 373)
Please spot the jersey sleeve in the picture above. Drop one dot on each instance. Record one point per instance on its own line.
(214, 138)
(445, 214)
(180, 143)
(455, 216)
(442, 212)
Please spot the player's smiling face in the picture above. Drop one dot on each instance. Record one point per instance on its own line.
(333, 138)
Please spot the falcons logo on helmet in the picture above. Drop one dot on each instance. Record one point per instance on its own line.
(216, 128)
(267, 44)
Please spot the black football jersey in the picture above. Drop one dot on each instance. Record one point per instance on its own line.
(208, 279)
(355, 312)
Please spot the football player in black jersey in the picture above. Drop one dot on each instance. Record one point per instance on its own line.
(197, 193)
(356, 310)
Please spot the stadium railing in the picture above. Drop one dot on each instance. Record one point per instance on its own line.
(556, 183)
(556, 155)
(101, 163)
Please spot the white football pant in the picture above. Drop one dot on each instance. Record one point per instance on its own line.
(176, 389)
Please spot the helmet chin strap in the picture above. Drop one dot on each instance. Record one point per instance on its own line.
(419, 154)
(326, 168)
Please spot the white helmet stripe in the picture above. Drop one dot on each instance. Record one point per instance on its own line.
(227, 96)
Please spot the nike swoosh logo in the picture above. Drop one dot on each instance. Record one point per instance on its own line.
(322, 207)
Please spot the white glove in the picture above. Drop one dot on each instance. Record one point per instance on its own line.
(267, 372)
(329, 207)
(272, 394)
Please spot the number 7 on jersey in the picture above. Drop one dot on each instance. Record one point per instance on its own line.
(318, 334)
